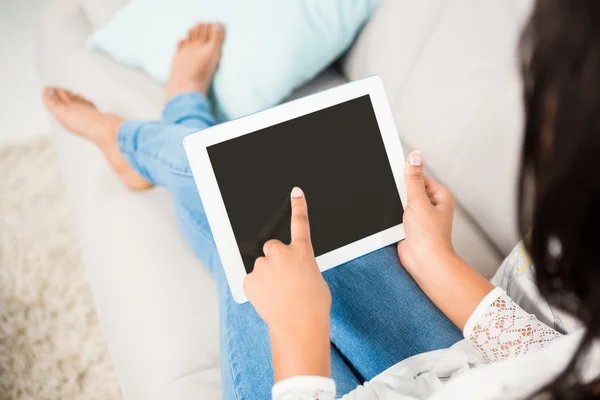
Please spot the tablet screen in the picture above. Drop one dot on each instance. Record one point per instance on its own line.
(336, 155)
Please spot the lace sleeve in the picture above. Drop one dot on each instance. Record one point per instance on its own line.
(305, 388)
(501, 329)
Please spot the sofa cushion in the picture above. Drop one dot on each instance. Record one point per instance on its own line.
(99, 12)
(451, 75)
(271, 47)
(155, 300)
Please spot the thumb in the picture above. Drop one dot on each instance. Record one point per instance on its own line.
(300, 228)
(415, 177)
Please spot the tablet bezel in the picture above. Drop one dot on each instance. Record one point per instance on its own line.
(196, 145)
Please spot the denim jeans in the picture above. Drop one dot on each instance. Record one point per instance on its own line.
(379, 315)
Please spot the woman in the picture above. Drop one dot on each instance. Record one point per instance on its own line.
(332, 325)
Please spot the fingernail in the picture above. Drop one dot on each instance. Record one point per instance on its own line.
(218, 27)
(50, 92)
(415, 158)
(297, 193)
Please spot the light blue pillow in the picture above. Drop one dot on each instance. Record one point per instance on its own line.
(271, 46)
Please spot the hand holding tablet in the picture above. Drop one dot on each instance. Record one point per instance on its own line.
(340, 146)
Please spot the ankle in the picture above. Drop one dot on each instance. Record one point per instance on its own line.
(110, 124)
(113, 123)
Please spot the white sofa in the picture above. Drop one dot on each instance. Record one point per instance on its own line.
(451, 75)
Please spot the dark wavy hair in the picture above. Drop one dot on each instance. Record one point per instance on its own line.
(559, 190)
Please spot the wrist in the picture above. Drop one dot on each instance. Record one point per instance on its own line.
(431, 261)
(298, 322)
(445, 256)
(452, 284)
(300, 349)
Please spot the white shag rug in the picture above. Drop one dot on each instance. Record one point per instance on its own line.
(51, 344)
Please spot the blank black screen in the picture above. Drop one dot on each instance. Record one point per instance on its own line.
(336, 155)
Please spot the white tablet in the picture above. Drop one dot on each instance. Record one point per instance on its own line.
(340, 146)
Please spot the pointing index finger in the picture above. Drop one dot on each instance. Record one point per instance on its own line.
(300, 228)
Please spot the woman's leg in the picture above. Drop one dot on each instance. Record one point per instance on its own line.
(156, 151)
(246, 367)
(190, 109)
(380, 316)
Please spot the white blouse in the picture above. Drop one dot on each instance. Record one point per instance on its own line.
(499, 331)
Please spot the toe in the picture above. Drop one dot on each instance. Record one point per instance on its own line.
(64, 95)
(217, 33)
(199, 31)
(191, 32)
(195, 31)
(83, 100)
(203, 33)
(51, 99)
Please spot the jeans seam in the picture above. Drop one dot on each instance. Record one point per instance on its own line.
(190, 215)
(230, 357)
(122, 142)
(182, 119)
(197, 100)
(182, 171)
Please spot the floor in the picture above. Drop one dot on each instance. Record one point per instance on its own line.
(22, 115)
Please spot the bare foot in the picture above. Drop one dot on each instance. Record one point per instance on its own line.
(81, 117)
(196, 60)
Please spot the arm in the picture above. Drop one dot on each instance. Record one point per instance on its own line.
(496, 325)
(455, 287)
(500, 329)
(291, 296)
(289, 293)
(301, 350)
(427, 252)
